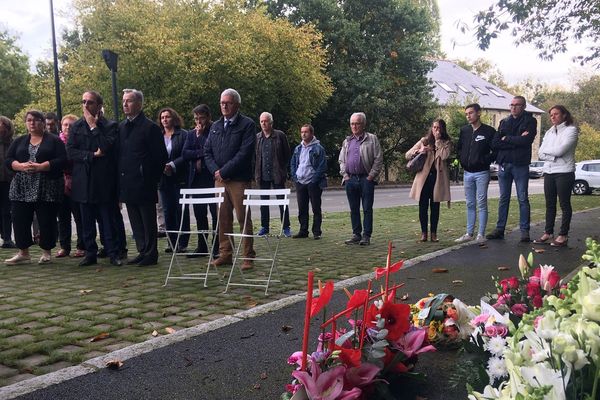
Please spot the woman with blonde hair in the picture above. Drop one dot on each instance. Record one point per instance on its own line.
(432, 184)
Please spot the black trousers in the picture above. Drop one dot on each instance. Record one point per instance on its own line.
(5, 214)
(66, 208)
(265, 214)
(22, 214)
(559, 185)
(426, 202)
(145, 229)
(304, 194)
(103, 213)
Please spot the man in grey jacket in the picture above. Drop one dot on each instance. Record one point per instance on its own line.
(361, 161)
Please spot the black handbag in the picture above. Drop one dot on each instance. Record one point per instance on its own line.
(417, 163)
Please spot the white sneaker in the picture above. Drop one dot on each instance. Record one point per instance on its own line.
(464, 238)
(480, 238)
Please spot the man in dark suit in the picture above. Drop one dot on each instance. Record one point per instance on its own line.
(228, 154)
(91, 147)
(142, 157)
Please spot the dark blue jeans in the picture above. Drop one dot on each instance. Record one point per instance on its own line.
(169, 196)
(265, 214)
(507, 173)
(360, 190)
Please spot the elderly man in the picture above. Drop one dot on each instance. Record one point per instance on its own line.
(513, 144)
(142, 157)
(308, 169)
(91, 147)
(361, 161)
(270, 171)
(228, 154)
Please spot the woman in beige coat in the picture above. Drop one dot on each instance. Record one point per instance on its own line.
(432, 184)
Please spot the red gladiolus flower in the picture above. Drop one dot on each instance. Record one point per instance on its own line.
(318, 303)
(357, 300)
(396, 318)
(399, 367)
(379, 272)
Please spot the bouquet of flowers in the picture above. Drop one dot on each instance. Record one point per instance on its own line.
(362, 358)
(445, 318)
(555, 351)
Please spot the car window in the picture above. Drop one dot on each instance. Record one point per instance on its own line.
(593, 167)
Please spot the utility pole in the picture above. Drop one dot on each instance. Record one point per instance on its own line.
(111, 59)
(56, 79)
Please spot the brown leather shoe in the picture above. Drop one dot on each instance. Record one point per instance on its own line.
(246, 265)
(221, 261)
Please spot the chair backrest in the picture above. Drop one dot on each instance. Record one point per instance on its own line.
(253, 198)
(207, 196)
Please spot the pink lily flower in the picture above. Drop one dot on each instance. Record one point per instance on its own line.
(412, 343)
(362, 375)
(323, 386)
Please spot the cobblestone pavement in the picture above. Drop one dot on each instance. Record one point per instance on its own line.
(58, 315)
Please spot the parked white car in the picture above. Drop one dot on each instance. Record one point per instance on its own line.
(587, 176)
(536, 169)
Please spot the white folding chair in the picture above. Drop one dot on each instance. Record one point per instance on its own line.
(271, 247)
(189, 197)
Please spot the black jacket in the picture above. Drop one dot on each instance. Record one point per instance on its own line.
(142, 159)
(475, 148)
(176, 156)
(231, 153)
(515, 148)
(94, 179)
(193, 150)
(51, 149)
(281, 157)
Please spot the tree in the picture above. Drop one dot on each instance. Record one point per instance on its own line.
(485, 70)
(377, 62)
(14, 75)
(186, 53)
(588, 146)
(547, 24)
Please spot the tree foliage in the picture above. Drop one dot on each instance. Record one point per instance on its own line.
(186, 52)
(377, 62)
(588, 146)
(485, 69)
(14, 75)
(547, 24)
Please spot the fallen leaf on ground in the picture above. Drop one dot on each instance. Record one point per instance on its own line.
(169, 330)
(256, 386)
(263, 376)
(286, 328)
(114, 363)
(483, 246)
(155, 333)
(538, 250)
(85, 291)
(439, 270)
(99, 270)
(405, 297)
(503, 268)
(316, 269)
(100, 336)
(458, 282)
(248, 336)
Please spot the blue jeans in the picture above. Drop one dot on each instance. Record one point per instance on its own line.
(476, 189)
(507, 173)
(360, 189)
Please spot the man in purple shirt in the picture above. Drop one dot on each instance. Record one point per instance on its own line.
(361, 161)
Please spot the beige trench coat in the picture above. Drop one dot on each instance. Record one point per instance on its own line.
(441, 190)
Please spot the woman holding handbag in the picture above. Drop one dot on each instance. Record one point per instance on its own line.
(432, 184)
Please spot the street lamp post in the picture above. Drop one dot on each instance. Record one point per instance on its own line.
(111, 59)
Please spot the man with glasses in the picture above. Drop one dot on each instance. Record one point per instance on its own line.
(228, 154)
(513, 143)
(91, 146)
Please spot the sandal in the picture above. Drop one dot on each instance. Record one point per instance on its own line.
(545, 238)
(556, 243)
(79, 253)
(62, 253)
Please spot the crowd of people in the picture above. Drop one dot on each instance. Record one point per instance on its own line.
(88, 170)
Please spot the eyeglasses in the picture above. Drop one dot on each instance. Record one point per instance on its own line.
(29, 120)
(226, 103)
(517, 105)
(86, 102)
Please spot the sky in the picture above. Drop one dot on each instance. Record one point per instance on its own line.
(30, 20)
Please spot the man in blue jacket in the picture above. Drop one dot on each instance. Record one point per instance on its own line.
(513, 143)
(308, 167)
(228, 154)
